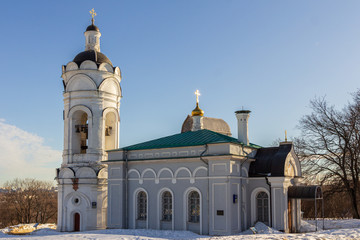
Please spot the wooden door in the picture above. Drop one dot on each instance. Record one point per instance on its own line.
(290, 215)
(76, 222)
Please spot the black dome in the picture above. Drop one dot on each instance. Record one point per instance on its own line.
(91, 55)
(92, 27)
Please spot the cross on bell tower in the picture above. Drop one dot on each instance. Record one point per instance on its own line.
(93, 14)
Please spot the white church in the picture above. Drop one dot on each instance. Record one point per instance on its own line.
(201, 179)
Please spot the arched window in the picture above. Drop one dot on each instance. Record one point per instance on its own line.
(141, 206)
(262, 207)
(110, 131)
(80, 132)
(194, 207)
(166, 206)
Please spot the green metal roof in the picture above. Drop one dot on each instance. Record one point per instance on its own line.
(196, 138)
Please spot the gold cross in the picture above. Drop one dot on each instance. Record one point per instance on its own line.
(197, 93)
(93, 14)
(285, 136)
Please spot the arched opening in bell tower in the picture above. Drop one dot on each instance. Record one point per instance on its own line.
(110, 131)
(80, 140)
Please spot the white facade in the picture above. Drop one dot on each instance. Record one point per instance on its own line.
(219, 172)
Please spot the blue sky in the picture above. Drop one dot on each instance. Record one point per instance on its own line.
(271, 57)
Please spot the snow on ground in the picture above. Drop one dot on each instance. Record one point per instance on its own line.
(338, 229)
(261, 228)
(27, 228)
(309, 225)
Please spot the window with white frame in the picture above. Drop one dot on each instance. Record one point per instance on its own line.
(166, 206)
(141, 206)
(262, 207)
(194, 207)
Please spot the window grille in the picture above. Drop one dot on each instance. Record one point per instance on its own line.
(262, 202)
(141, 206)
(166, 206)
(194, 207)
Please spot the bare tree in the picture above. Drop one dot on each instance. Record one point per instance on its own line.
(28, 201)
(329, 147)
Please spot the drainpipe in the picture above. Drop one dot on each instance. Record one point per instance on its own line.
(202, 154)
(268, 183)
(126, 190)
(208, 176)
(241, 184)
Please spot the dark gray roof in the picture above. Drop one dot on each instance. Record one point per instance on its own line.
(243, 111)
(92, 27)
(212, 124)
(91, 55)
(270, 161)
(305, 192)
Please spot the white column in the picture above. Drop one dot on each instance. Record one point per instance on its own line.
(279, 202)
(243, 132)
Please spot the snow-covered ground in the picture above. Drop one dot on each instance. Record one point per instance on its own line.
(337, 229)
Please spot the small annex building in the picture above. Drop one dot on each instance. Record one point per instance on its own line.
(201, 179)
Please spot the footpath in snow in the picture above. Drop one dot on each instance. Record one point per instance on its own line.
(339, 229)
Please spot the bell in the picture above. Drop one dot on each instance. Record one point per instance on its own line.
(108, 131)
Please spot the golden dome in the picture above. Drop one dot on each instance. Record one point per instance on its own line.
(197, 111)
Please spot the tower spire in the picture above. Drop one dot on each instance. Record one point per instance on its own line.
(92, 35)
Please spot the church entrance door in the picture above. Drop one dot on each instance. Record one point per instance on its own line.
(76, 222)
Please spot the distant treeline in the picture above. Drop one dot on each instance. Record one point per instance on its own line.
(27, 201)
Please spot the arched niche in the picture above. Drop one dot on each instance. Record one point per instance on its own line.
(85, 172)
(71, 66)
(88, 65)
(106, 67)
(292, 167)
(148, 173)
(200, 172)
(110, 85)
(80, 82)
(183, 172)
(80, 127)
(84, 200)
(133, 174)
(66, 173)
(111, 128)
(165, 173)
(103, 173)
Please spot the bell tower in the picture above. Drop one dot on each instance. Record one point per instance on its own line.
(92, 96)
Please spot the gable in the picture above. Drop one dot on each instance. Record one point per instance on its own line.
(276, 162)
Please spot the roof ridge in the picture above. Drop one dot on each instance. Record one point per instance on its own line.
(191, 138)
